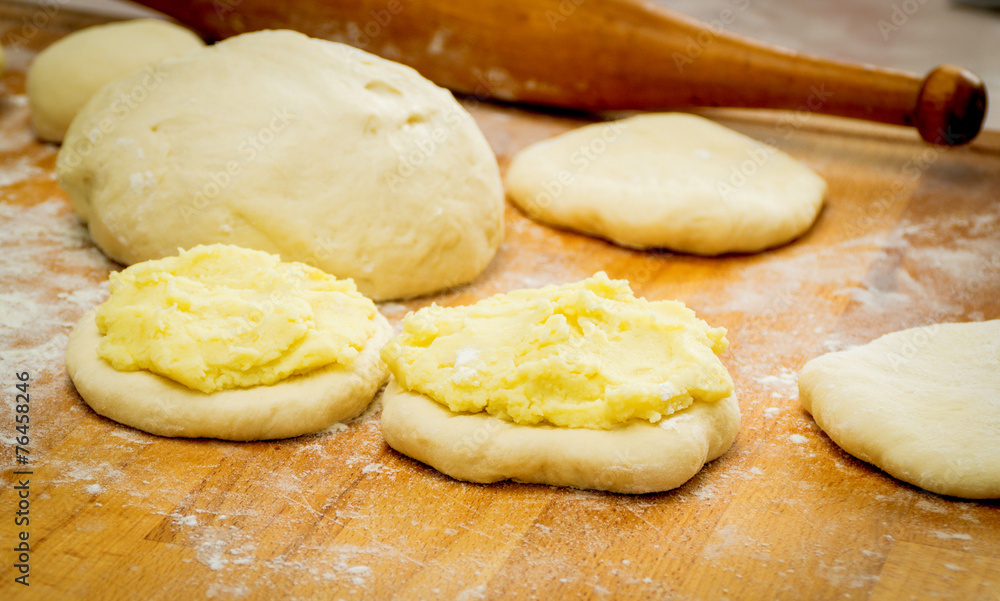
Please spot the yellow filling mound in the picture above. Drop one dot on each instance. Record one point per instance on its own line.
(588, 354)
(219, 317)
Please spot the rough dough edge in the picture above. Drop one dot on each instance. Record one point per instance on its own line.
(636, 458)
(299, 405)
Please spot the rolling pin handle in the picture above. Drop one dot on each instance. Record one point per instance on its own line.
(950, 106)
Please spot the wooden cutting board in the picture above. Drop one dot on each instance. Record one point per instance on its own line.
(910, 236)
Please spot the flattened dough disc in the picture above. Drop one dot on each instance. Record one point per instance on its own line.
(636, 458)
(295, 406)
(668, 180)
(922, 404)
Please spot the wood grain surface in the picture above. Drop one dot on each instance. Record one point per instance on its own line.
(910, 236)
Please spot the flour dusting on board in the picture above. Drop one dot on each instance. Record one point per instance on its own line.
(472, 594)
(940, 534)
(729, 540)
(49, 244)
(15, 132)
(21, 169)
(783, 385)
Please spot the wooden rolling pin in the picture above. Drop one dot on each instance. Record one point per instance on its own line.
(607, 55)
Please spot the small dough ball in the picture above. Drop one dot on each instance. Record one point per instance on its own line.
(668, 180)
(922, 404)
(64, 76)
(306, 148)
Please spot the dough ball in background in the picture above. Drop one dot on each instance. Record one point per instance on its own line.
(668, 180)
(301, 147)
(923, 404)
(64, 76)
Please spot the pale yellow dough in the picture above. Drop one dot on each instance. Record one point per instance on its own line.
(923, 404)
(667, 180)
(580, 385)
(313, 150)
(64, 76)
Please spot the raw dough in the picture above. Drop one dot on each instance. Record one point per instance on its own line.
(637, 457)
(64, 76)
(295, 406)
(922, 404)
(667, 180)
(580, 385)
(309, 149)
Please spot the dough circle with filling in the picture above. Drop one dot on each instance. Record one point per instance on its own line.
(923, 404)
(582, 385)
(668, 180)
(295, 406)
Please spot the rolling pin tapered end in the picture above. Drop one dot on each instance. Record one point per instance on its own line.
(951, 106)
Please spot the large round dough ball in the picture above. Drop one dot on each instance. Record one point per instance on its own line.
(309, 149)
(64, 76)
(668, 180)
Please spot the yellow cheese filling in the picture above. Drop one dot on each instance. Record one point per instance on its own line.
(219, 317)
(588, 355)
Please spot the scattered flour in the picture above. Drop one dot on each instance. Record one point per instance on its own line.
(219, 591)
(20, 170)
(358, 574)
(950, 535)
(728, 541)
(834, 343)
(786, 378)
(469, 594)
(798, 438)
(48, 245)
(704, 492)
(213, 545)
(184, 520)
(931, 507)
